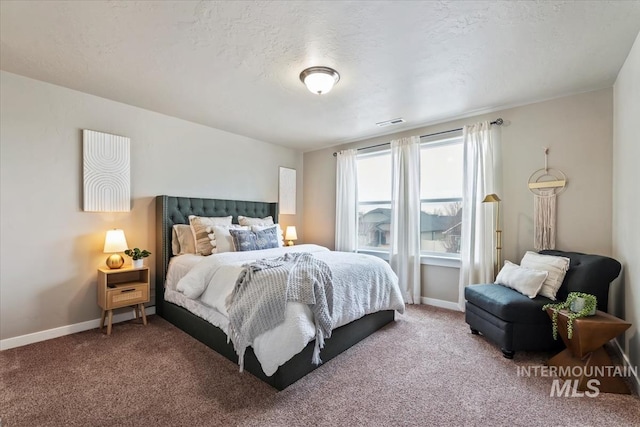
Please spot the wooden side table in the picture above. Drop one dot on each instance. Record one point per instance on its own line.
(585, 350)
(122, 287)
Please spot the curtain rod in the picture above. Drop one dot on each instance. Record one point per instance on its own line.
(497, 121)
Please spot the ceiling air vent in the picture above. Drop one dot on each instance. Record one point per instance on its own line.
(390, 122)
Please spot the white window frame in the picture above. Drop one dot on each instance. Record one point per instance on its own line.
(384, 254)
(442, 259)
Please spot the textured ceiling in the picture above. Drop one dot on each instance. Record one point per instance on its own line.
(234, 65)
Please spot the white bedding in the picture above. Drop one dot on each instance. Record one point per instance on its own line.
(362, 284)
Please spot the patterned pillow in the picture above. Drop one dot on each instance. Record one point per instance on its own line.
(245, 240)
(278, 231)
(246, 220)
(199, 226)
(221, 239)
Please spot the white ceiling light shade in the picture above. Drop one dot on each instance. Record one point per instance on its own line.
(319, 80)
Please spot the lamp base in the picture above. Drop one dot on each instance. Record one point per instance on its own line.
(115, 261)
(290, 243)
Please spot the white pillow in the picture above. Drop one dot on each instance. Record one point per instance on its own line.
(212, 236)
(246, 220)
(524, 280)
(182, 240)
(222, 237)
(279, 232)
(556, 266)
(199, 225)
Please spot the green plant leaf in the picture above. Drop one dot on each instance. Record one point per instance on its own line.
(136, 253)
(590, 305)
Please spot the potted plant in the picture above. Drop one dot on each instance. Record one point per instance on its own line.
(578, 304)
(137, 255)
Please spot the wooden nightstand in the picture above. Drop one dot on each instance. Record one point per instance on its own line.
(123, 287)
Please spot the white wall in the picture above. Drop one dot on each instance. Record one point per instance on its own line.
(625, 299)
(578, 131)
(50, 248)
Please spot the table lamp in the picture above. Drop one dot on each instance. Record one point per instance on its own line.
(114, 243)
(291, 235)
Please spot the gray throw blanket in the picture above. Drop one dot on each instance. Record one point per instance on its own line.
(258, 301)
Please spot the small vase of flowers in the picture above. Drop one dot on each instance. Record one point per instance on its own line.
(137, 255)
(578, 305)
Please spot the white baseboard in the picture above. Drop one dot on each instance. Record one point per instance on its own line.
(8, 343)
(627, 363)
(440, 303)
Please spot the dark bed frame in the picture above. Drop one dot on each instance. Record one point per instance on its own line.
(176, 210)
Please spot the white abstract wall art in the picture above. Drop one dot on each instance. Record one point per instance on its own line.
(287, 193)
(107, 175)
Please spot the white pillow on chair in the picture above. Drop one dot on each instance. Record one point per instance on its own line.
(556, 266)
(524, 280)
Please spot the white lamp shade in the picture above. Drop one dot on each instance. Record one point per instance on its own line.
(319, 80)
(291, 233)
(319, 83)
(115, 242)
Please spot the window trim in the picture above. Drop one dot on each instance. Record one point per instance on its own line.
(440, 254)
(439, 259)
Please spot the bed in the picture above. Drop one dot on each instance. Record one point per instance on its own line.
(176, 210)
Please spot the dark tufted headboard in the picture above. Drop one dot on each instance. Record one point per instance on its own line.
(176, 210)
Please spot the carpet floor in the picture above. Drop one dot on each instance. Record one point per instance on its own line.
(424, 369)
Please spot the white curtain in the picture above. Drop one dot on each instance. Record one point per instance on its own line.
(405, 215)
(346, 201)
(480, 177)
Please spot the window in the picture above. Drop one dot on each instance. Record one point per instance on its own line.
(440, 196)
(374, 200)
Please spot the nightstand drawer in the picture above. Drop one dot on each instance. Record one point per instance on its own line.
(126, 295)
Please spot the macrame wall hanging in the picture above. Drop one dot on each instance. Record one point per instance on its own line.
(545, 184)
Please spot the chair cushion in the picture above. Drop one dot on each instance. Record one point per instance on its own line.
(507, 304)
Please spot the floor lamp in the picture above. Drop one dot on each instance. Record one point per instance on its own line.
(493, 198)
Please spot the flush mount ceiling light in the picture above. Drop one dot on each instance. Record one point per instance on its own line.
(319, 80)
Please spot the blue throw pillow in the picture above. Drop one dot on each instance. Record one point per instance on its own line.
(245, 240)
